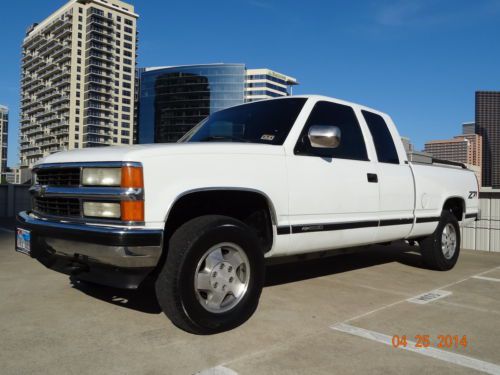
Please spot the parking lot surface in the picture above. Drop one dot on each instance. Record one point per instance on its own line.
(326, 316)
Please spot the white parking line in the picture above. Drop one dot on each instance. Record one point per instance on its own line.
(457, 359)
(219, 370)
(486, 278)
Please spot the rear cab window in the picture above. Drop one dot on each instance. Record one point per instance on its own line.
(382, 138)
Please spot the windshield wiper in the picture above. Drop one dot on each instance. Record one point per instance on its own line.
(224, 137)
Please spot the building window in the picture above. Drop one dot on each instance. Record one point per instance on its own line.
(127, 37)
(127, 61)
(125, 109)
(129, 22)
(126, 93)
(128, 30)
(127, 45)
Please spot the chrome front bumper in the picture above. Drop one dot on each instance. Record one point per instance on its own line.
(82, 249)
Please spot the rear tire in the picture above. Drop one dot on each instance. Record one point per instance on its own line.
(441, 249)
(213, 275)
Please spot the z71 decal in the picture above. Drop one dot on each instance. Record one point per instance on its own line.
(472, 194)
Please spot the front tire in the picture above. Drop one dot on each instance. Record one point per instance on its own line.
(213, 275)
(441, 249)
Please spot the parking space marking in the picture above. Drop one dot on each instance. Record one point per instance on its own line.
(486, 278)
(446, 356)
(219, 370)
(406, 299)
(431, 296)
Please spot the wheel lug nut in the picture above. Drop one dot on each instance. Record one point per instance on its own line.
(231, 279)
(224, 288)
(229, 269)
(221, 266)
(215, 285)
(214, 274)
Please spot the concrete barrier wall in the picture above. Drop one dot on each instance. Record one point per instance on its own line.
(484, 234)
(14, 198)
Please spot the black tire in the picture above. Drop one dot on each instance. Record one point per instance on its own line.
(175, 285)
(430, 246)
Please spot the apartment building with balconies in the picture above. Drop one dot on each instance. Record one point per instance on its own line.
(4, 135)
(77, 82)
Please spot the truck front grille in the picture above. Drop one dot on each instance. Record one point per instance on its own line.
(59, 176)
(57, 206)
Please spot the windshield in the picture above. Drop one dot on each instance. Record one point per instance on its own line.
(267, 122)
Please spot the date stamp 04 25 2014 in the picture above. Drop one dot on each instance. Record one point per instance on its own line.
(426, 341)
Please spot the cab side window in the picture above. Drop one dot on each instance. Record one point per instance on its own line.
(382, 138)
(352, 144)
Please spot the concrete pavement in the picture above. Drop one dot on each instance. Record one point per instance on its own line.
(50, 324)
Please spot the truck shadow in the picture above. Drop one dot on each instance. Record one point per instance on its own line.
(281, 271)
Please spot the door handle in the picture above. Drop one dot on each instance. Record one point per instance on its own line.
(372, 177)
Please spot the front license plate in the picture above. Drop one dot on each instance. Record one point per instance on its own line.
(23, 241)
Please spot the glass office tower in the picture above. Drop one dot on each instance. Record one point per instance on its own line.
(174, 99)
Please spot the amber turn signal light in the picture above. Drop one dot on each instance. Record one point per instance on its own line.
(132, 177)
(132, 210)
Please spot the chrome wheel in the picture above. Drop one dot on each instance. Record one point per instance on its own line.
(449, 241)
(222, 277)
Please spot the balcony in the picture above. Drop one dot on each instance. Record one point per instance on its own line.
(61, 59)
(100, 55)
(36, 109)
(61, 82)
(101, 31)
(101, 22)
(66, 47)
(48, 73)
(96, 38)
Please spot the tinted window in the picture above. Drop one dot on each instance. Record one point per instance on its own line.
(352, 143)
(266, 122)
(384, 144)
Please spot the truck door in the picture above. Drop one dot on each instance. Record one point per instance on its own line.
(397, 188)
(334, 194)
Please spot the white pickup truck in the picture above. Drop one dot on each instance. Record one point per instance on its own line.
(266, 179)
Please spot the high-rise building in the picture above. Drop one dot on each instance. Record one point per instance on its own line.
(174, 99)
(4, 135)
(265, 83)
(488, 126)
(78, 79)
(466, 149)
(458, 150)
(469, 128)
(407, 144)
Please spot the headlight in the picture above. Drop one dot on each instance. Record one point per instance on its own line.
(99, 209)
(101, 176)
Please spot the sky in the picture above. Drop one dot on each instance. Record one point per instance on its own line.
(418, 60)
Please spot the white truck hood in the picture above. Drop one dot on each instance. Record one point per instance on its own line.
(140, 152)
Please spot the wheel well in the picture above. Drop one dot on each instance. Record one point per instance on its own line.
(252, 208)
(456, 206)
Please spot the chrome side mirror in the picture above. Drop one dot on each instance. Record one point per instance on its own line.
(324, 136)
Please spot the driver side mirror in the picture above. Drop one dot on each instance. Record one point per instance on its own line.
(324, 136)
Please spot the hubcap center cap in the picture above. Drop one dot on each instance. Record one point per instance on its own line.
(222, 276)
